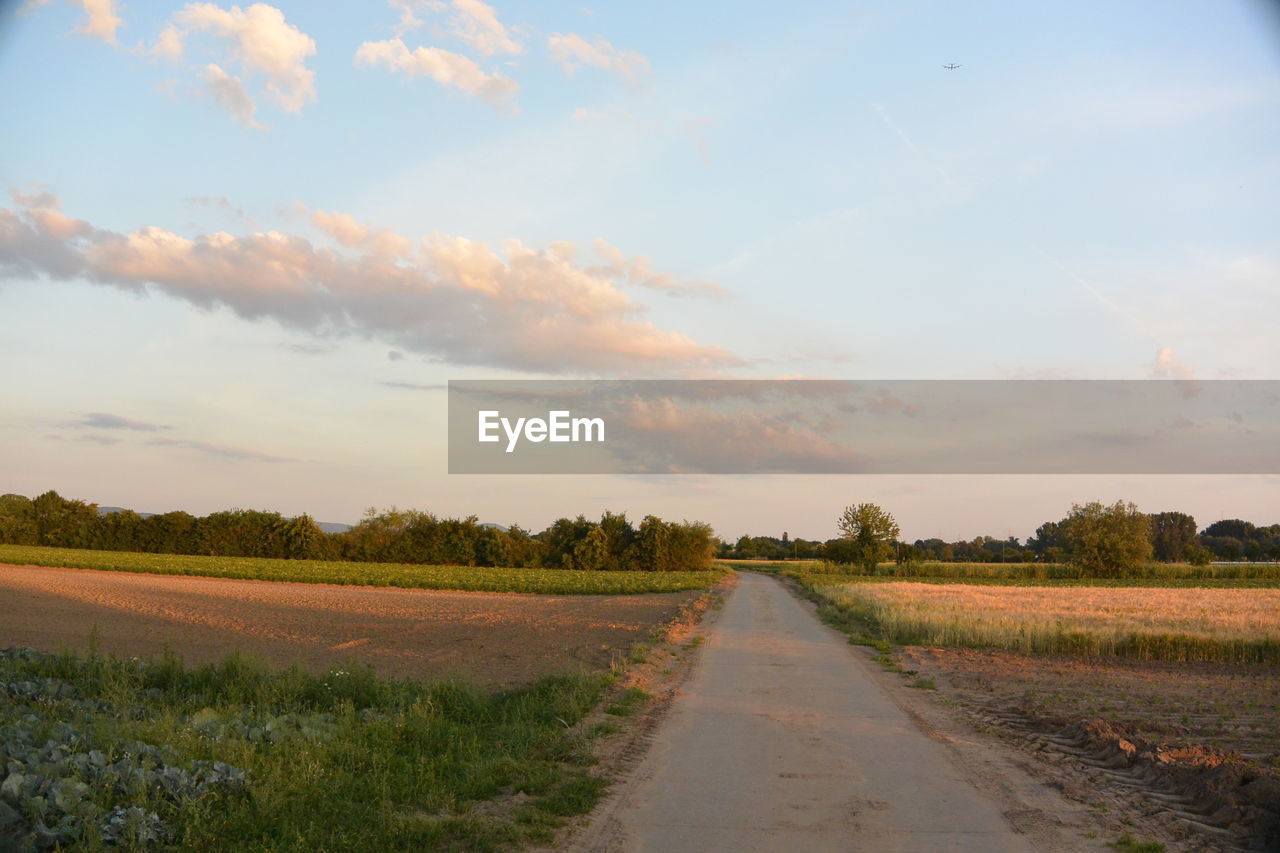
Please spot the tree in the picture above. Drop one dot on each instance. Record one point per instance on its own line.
(1171, 534)
(61, 522)
(652, 544)
(869, 532)
(17, 520)
(1048, 538)
(301, 538)
(592, 553)
(1107, 541)
(1198, 555)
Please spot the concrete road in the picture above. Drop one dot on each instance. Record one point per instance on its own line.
(781, 740)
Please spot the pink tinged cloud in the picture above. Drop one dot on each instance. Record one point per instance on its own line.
(572, 51)
(1168, 366)
(229, 93)
(669, 435)
(100, 17)
(445, 297)
(639, 271)
(477, 25)
(262, 42)
(446, 68)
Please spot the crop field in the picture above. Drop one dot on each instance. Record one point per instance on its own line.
(114, 754)
(1152, 574)
(489, 638)
(1173, 624)
(544, 581)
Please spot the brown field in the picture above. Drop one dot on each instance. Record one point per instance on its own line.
(1187, 752)
(499, 639)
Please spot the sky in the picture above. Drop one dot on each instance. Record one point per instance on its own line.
(243, 248)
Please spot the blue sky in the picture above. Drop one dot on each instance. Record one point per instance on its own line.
(780, 190)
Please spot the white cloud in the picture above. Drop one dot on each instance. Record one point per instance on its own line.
(446, 68)
(262, 42)
(100, 17)
(639, 271)
(573, 51)
(473, 22)
(341, 226)
(229, 93)
(1167, 366)
(344, 228)
(476, 24)
(447, 298)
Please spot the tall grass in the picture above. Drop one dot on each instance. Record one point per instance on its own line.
(1230, 625)
(1050, 571)
(546, 581)
(341, 761)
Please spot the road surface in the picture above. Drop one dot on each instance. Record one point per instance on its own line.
(781, 740)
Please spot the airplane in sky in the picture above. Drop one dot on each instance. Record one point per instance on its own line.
(951, 66)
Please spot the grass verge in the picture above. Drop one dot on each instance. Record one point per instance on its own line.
(104, 753)
(544, 581)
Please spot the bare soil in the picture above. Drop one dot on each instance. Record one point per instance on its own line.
(497, 639)
(1184, 753)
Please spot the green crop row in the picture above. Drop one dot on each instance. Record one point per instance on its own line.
(544, 581)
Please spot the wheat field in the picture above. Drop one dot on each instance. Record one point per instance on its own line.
(1152, 623)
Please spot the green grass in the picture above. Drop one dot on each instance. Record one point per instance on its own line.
(631, 701)
(545, 581)
(339, 761)
(1128, 844)
(773, 567)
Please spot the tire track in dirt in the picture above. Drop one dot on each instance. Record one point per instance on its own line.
(1202, 792)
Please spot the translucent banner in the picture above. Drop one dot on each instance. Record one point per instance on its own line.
(864, 427)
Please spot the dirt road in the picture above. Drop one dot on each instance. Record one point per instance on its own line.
(486, 637)
(782, 740)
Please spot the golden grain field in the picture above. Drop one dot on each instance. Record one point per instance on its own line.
(1144, 622)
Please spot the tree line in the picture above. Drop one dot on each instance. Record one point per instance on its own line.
(1173, 537)
(390, 536)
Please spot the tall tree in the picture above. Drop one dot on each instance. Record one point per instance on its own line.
(869, 532)
(1107, 541)
(1172, 533)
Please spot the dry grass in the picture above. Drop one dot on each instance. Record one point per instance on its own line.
(1150, 623)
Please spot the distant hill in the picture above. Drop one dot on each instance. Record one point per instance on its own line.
(333, 526)
(326, 526)
(107, 510)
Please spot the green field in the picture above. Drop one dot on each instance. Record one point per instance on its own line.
(545, 581)
(112, 754)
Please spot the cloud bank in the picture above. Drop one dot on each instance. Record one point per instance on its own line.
(448, 298)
